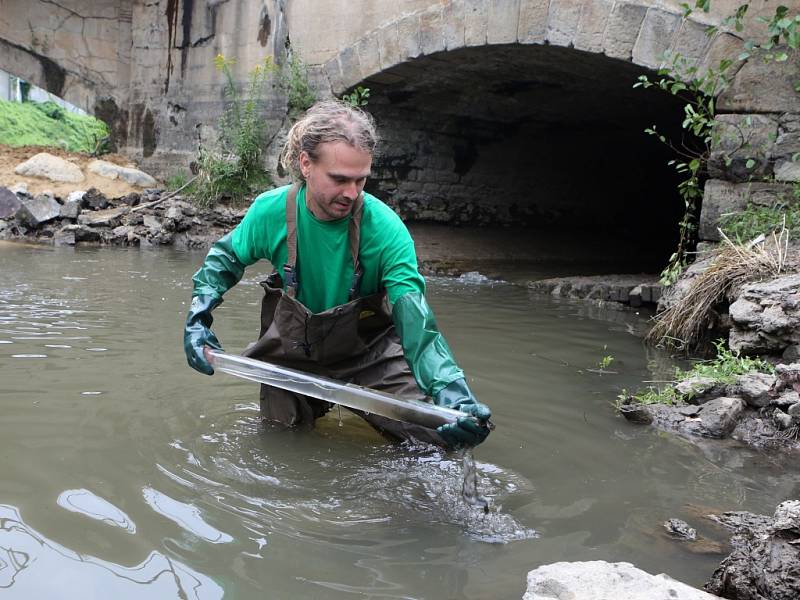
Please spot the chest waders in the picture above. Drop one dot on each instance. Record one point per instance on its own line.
(354, 342)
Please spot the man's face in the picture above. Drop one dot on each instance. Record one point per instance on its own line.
(335, 179)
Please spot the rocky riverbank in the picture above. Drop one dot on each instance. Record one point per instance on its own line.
(764, 564)
(65, 198)
(143, 219)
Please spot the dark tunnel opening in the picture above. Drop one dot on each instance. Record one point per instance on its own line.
(540, 150)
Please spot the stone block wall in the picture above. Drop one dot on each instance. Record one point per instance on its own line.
(756, 159)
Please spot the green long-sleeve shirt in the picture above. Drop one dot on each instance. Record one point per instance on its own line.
(324, 262)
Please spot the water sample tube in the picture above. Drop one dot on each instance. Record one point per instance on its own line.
(330, 390)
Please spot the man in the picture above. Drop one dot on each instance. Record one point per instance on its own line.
(340, 254)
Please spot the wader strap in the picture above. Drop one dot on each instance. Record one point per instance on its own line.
(290, 268)
(354, 233)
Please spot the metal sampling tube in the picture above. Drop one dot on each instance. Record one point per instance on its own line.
(330, 390)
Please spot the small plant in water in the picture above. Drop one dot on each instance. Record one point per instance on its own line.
(605, 362)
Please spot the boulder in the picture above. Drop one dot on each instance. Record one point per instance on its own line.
(71, 209)
(131, 199)
(787, 518)
(600, 580)
(71, 234)
(782, 420)
(9, 203)
(127, 174)
(765, 560)
(36, 211)
(680, 529)
(753, 388)
(153, 223)
(786, 400)
(718, 417)
(94, 200)
(50, 167)
(110, 217)
(765, 317)
(697, 390)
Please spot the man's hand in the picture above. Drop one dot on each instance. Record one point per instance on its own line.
(197, 333)
(470, 430)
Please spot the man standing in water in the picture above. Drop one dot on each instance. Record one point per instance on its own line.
(341, 257)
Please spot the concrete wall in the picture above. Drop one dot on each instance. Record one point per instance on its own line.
(77, 50)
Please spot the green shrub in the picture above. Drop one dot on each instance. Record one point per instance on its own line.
(294, 81)
(234, 169)
(725, 366)
(359, 98)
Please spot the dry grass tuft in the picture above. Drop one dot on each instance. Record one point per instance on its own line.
(683, 325)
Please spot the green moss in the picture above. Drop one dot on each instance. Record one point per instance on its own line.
(47, 124)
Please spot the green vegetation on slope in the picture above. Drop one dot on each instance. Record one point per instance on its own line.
(47, 124)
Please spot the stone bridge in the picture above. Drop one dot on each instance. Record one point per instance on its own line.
(492, 111)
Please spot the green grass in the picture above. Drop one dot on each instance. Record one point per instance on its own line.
(177, 181)
(754, 220)
(722, 369)
(726, 366)
(47, 124)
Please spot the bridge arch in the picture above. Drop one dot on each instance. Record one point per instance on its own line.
(529, 118)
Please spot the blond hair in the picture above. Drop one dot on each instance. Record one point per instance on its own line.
(327, 121)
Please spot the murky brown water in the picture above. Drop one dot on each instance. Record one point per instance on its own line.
(124, 474)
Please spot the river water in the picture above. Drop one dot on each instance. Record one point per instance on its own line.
(125, 474)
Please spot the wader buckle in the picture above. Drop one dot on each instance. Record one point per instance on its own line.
(290, 275)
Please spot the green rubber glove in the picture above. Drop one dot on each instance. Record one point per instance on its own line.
(467, 431)
(436, 371)
(197, 333)
(221, 270)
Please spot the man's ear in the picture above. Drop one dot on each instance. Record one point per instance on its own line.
(305, 163)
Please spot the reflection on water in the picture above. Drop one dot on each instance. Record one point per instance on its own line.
(94, 507)
(185, 516)
(31, 566)
(116, 453)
